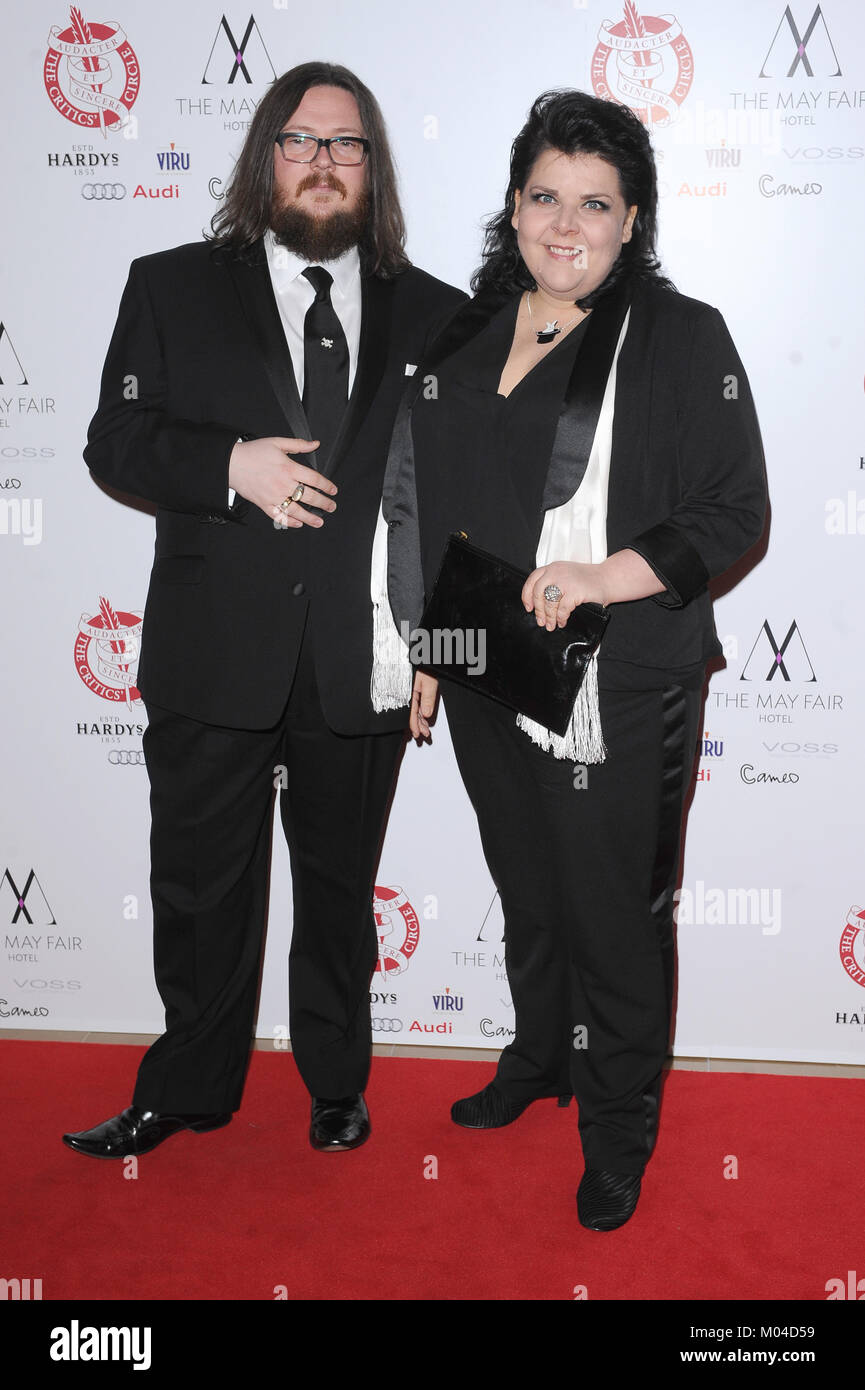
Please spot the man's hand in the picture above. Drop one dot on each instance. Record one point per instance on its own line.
(260, 471)
(423, 700)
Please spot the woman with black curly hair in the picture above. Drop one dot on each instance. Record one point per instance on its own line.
(595, 428)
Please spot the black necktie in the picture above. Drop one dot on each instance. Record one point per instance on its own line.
(325, 367)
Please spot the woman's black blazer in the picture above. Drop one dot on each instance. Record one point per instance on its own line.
(687, 486)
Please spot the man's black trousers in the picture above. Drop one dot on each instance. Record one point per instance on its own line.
(212, 793)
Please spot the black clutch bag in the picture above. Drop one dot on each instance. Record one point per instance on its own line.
(475, 631)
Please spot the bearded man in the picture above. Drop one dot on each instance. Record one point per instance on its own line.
(250, 391)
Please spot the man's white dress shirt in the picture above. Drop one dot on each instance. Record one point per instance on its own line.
(294, 294)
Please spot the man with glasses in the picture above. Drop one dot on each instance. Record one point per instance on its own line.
(249, 391)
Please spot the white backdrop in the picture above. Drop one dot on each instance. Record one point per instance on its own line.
(757, 111)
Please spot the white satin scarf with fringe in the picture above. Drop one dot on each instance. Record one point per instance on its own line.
(576, 532)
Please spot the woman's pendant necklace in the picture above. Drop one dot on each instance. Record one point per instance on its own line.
(549, 330)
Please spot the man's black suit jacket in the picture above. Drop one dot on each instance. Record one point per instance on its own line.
(197, 359)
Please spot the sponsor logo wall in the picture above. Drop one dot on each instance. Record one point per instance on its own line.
(124, 128)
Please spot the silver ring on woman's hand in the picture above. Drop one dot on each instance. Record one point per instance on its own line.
(552, 593)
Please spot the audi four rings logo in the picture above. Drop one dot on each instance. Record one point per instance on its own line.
(126, 757)
(99, 192)
(387, 1025)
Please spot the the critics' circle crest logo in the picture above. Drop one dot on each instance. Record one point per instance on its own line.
(91, 73)
(853, 945)
(643, 61)
(106, 653)
(395, 918)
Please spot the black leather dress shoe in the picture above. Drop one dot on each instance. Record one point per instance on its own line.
(338, 1124)
(491, 1109)
(605, 1200)
(136, 1131)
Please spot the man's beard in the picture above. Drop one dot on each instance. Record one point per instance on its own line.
(324, 238)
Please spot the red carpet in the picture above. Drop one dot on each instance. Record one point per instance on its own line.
(250, 1209)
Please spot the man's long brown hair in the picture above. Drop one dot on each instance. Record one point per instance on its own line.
(245, 213)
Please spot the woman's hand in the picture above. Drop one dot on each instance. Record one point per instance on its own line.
(578, 583)
(620, 578)
(423, 700)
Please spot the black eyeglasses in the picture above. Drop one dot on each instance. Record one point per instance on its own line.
(303, 149)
